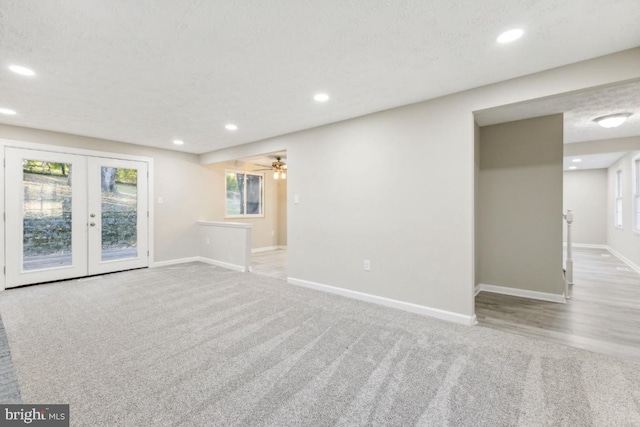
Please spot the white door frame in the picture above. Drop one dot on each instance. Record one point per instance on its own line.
(80, 151)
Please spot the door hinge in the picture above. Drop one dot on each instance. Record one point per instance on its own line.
(4, 271)
(147, 214)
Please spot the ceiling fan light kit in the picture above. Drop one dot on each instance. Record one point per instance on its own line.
(278, 167)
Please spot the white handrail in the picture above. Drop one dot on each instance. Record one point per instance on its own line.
(569, 264)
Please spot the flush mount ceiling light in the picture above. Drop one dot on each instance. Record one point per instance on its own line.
(178, 142)
(321, 97)
(7, 112)
(18, 69)
(230, 126)
(509, 36)
(576, 160)
(612, 120)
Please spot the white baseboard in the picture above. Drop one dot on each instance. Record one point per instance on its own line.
(523, 293)
(282, 247)
(624, 259)
(587, 245)
(478, 289)
(222, 264)
(199, 259)
(175, 261)
(387, 302)
(264, 249)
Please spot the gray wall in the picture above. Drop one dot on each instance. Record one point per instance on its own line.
(397, 187)
(520, 205)
(178, 180)
(625, 241)
(585, 192)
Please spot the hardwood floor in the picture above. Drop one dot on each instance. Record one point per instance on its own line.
(270, 263)
(602, 314)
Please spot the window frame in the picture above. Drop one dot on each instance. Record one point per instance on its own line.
(618, 200)
(635, 165)
(244, 201)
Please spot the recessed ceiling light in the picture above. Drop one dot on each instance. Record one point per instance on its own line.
(612, 120)
(22, 70)
(511, 35)
(321, 97)
(576, 160)
(573, 167)
(7, 112)
(178, 142)
(230, 126)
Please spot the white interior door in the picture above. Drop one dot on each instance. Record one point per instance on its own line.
(70, 216)
(118, 215)
(46, 213)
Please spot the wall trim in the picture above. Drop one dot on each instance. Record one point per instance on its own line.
(210, 261)
(175, 261)
(477, 290)
(624, 259)
(223, 264)
(586, 245)
(523, 293)
(225, 224)
(265, 249)
(387, 302)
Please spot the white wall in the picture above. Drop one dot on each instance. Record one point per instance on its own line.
(520, 205)
(624, 241)
(585, 192)
(282, 212)
(266, 231)
(397, 188)
(178, 180)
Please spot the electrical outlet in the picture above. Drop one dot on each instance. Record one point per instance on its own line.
(367, 265)
(207, 241)
(296, 199)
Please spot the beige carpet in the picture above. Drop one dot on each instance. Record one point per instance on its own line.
(200, 345)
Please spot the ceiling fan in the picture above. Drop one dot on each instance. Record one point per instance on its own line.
(278, 167)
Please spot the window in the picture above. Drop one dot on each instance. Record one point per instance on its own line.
(636, 194)
(618, 215)
(244, 194)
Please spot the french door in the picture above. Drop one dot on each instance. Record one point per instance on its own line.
(70, 216)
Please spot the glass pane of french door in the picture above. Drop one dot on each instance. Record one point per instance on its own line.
(119, 208)
(117, 215)
(47, 219)
(46, 205)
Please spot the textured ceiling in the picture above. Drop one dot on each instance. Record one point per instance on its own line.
(592, 161)
(579, 111)
(150, 71)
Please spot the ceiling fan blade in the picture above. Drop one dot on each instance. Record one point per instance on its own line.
(258, 170)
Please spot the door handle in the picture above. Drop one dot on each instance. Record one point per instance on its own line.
(93, 224)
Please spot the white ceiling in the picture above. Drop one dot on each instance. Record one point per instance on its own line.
(266, 159)
(150, 71)
(579, 111)
(592, 161)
